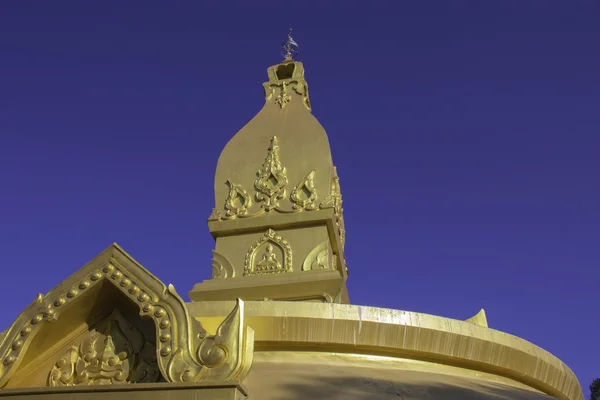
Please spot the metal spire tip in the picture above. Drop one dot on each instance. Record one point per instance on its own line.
(290, 47)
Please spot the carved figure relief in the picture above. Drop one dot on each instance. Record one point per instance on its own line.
(221, 266)
(117, 354)
(318, 258)
(304, 195)
(271, 178)
(238, 200)
(262, 256)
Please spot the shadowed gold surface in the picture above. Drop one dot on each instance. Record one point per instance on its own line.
(294, 376)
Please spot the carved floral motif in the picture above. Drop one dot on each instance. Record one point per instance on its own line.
(221, 266)
(237, 202)
(271, 178)
(304, 195)
(257, 263)
(270, 184)
(301, 88)
(334, 200)
(215, 215)
(283, 97)
(318, 258)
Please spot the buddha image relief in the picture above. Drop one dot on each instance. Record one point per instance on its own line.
(270, 254)
(268, 262)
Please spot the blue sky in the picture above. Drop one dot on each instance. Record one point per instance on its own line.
(465, 134)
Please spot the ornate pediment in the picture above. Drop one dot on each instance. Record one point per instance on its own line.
(184, 351)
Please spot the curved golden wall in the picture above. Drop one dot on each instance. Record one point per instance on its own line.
(450, 347)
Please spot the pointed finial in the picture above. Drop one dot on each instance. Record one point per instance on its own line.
(290, 47)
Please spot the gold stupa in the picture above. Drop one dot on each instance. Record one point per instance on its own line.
(275, 321)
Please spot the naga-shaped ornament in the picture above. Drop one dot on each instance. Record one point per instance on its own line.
(271, 178)
(304, 195)
(182, 350)
(238, 201)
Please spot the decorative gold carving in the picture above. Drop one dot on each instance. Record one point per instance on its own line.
(301, 88)
(283, 97)
(185, 353)
(222, 268)
(216, 354)
(321, 261)
(237, 202)
(304, 195)
(260, 263)
(118, 354)
(271, 185)
(334, 200)
(318, 258)
(216, 215)
(271, 178)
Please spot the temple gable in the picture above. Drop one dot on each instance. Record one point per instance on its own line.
(114, 322)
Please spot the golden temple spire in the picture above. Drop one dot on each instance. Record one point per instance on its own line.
(278, 224)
